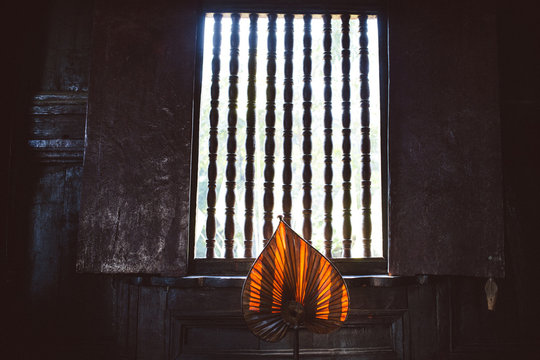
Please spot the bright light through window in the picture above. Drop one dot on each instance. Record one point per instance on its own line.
(317, 111)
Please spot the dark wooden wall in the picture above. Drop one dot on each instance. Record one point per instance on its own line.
(53, 312)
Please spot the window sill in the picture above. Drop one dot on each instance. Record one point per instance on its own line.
(233, 267)
(207, 281)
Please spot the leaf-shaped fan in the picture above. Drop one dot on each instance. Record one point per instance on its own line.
(291, 284)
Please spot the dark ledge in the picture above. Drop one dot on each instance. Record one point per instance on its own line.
(239, 267)
(238, 281)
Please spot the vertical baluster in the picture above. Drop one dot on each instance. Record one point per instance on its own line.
(231, 139)
(365, 143)
(346, 123)
(213, 141)
(287, 118)
(270, 130)
(307, 175)
(327, 56)
(250, 138)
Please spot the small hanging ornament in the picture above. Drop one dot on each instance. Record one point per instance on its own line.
(491, 293)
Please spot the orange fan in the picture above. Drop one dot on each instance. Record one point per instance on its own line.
(291, 284)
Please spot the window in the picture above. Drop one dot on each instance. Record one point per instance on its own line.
(444, 138)
(290, 123)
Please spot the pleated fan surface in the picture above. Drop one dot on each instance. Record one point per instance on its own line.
(291, 284)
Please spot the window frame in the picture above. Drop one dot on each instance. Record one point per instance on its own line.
(241, 266)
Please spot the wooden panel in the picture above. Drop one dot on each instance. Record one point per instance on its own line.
(151, 323)
(135, 202)
(225, 335)
(445, 151)
(477, 331)
(375, 329)
(369, 298)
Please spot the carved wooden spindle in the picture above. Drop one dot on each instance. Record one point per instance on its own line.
(346, 123)
(328, 175)
(250, 138)
(287, 118)
(270, 119)
(307, 174)
(213, 141)
(230, 171)
(365, 142)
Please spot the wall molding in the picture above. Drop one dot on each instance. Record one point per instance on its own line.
(57, 127)
(58, 150)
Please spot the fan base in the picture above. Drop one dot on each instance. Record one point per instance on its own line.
(293, 313)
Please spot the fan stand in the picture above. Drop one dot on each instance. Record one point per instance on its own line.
(293, 314)
(296, 344)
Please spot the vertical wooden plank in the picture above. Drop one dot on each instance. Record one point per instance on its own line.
(444, 325)
(250, 138)
(328, 147)
(346, 145)
(287, 117)
(47, 219)
(135, 197)
(446, 209)
(151, 323)
(231, 139)
(122, 318)
(306, 145)
(213, 142)
(67, 246)
(132, 321)
(270, 120)
(67, 242)
(422, 321)
(399, 336)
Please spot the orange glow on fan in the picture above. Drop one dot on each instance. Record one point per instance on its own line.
(255, 287)
(291, 284)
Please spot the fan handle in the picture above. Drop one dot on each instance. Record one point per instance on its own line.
(296, 345)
